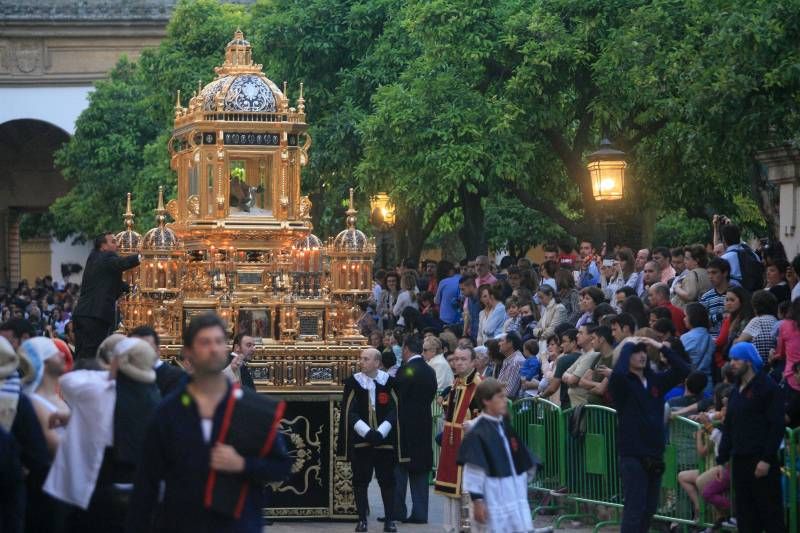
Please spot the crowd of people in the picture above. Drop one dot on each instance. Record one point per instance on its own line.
(123, 441)
(716, 326)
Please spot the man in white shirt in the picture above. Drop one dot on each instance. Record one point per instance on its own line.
(433, 355)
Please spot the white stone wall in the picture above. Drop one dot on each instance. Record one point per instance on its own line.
(66, 252)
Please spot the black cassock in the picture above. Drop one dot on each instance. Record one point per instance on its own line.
(416, 389)
(361, 416)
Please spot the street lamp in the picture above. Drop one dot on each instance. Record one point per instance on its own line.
(382, 217)
(382, 210)
(607, 171)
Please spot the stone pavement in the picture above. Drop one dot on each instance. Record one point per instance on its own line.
(435, 512)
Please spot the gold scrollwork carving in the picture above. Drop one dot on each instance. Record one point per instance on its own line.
(304, 448)
(344, 501)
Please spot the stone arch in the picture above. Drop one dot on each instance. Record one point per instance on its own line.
(29, 182)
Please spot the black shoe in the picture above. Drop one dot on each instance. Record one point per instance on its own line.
(410, 520)
(389, 526)
(381, 519)
(362, 526)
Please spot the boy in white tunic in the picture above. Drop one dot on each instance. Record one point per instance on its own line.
(496, 466)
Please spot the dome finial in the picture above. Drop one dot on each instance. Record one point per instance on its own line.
(129, 214)
(161, 213)
(351, 211)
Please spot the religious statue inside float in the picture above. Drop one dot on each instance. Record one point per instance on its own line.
(241, 244)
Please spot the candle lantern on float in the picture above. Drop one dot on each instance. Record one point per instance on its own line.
(160, 272)
(129, 242)
(351, 254)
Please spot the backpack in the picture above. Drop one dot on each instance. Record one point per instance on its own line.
(752, 269)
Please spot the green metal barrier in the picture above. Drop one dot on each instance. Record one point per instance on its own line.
(587, 465)
(438, 424)
(681, 454)
(791, 479)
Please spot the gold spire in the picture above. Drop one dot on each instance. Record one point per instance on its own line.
(161, 213)
(301, 102)
(129, 215)
(178, 106)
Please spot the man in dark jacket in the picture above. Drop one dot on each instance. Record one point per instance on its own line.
(101, 286)
(245, 346)
(416, 388)
(638, 394)
(751, 438)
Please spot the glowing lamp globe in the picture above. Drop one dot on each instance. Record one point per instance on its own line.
(607, 171)
(382, 210)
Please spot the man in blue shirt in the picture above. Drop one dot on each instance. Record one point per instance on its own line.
(590, 274)
(714, 299)
(732, 238)
(448, 297)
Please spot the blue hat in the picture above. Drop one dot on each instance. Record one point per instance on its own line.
(745, 351)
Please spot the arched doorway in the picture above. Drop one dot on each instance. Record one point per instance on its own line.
(29, 183)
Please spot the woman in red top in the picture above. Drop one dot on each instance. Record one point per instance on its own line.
(738, 313)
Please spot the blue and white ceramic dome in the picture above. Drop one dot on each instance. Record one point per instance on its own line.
(240, 85)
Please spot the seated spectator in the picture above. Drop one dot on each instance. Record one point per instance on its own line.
(659, 298)
(554, 313)
(759, 330)
(713, 483)
(698, 342)
(591, 297)
(512, 323)
(776, 279)
(531, 371)
(695, 283)
(693, 388)
(665, 329)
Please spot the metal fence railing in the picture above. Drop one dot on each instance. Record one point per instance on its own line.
(580, 464)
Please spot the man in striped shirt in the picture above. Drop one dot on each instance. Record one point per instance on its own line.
(719, 272)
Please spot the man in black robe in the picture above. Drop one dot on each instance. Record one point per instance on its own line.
(416, 388)
(100, 287)
(214, 445)
(368, 435)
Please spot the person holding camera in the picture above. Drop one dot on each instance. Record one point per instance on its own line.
(638, 394)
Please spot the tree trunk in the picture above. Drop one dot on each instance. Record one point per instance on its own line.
(473, 233)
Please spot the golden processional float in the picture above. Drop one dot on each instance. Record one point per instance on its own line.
(241, 245)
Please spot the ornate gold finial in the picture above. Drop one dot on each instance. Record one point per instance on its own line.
(161, 213)
(178, 106)
(238, 57)
(301, 102)
(285, 90)
(199, 87)
(351, 211)
(128, 215)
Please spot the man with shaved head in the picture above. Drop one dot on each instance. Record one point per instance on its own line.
(368, 435)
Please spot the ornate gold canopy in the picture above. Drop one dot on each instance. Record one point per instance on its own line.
(240, 243)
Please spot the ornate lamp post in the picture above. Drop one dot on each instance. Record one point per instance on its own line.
(606, 168)
(382, 217)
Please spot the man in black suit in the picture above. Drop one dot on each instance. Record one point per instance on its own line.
(101, 286)
(245, 346)
(168, 377)
(416, 388)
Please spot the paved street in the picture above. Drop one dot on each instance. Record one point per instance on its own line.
(435, 518)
